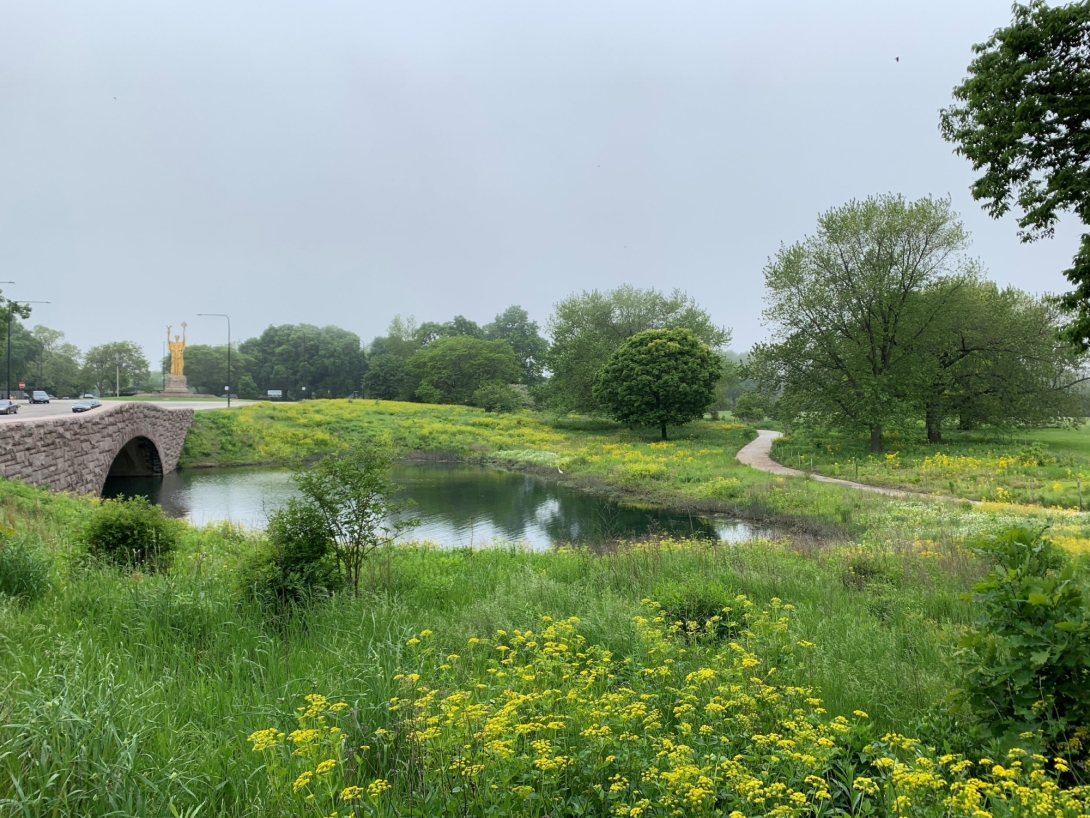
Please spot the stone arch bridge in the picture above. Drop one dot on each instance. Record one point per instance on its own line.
(77, 452)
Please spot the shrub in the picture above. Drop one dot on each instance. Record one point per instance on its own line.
(1026, 662)
(131, 531)
(497, 396)
(752, 407)
(701, 608)
(353, 495)
(24, 573)
(295, 563)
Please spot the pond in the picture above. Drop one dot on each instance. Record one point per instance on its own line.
(457, 505)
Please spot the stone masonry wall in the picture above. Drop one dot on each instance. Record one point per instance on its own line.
(74, 452)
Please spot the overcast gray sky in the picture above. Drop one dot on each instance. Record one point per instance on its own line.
(340, 162)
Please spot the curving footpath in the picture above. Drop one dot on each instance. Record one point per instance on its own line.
(758, 454)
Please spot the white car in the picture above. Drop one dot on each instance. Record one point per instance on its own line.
(9, 407)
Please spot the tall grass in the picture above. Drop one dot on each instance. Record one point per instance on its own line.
(132, 694)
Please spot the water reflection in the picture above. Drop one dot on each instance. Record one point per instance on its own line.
(457, 504)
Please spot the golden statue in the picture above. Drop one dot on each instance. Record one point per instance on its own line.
(177, 352)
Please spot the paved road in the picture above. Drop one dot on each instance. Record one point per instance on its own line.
(64, 407)
(758, 454)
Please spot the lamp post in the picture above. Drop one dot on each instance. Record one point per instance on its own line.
(11, 318)
(224, 315)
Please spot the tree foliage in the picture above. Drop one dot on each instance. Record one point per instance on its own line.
(847, 311)
(995, 357)
(451, 370)
(587, 328)
(122, 362)
(660, 378)
(1020, 118)
(514, 326)
(354, 497)
(328, 361)
(1026, 662)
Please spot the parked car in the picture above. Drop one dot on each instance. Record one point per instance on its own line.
(85, 405)
(87, 397)
(38, 396)
(9, 407)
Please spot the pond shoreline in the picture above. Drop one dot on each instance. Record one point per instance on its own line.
(811, 528)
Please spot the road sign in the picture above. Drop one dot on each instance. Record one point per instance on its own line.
(22, 385)
(276, 393)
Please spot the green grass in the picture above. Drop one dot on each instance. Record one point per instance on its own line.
(1044, 467)
(130, 693)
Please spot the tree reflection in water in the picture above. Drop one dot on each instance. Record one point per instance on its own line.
(458, 505)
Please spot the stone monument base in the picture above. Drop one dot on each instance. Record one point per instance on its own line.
(176, 386)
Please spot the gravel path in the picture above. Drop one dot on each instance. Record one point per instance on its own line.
(757, 453)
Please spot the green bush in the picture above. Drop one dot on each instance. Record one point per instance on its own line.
(131, 531)
(295, 563)
(696, 607)
(497, 396)
(24, 573)
(752, 407)
(1026, 662)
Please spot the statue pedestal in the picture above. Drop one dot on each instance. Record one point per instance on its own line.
(176, 386)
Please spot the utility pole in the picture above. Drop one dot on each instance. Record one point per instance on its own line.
(224, 315)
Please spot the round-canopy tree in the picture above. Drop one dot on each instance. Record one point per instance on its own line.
(659, 377)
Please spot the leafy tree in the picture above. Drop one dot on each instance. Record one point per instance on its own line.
(995, 357)
(659, 377)
(730, 382)
(460, 325)
(59, 362)
(206, 368)
(26, 356)
(497, 396)
(451, 370)
(848, 314)
(387, 378)
(1020, 118)
(327, 361)
(752, 407)
(587, 328)
(514, 326)
(353, 496)
(120, 362)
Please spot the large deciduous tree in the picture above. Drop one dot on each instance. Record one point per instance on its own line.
(587, 328)
(328, 361)
(59, 362)
(451, 370)
(514, 326)
(659, 378)
(847, 311)
(1022, 117)
(121, 363)
(995, 357)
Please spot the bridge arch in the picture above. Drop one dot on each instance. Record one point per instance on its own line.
(76, 452)
(137, 458)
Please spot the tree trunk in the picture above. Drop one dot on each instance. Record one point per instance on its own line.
(664, 431)
(876, 438)
(933, 422)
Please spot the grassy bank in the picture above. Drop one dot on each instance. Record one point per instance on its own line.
(134, 694)
(697, 470)
(1044, 467)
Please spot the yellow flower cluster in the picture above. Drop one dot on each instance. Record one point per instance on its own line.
(687, 725)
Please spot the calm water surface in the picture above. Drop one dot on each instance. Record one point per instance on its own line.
(457, 504)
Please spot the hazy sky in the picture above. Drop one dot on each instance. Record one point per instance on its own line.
(341, 162)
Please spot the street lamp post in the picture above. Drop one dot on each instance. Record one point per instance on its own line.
(11, 318)
(224, 315)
